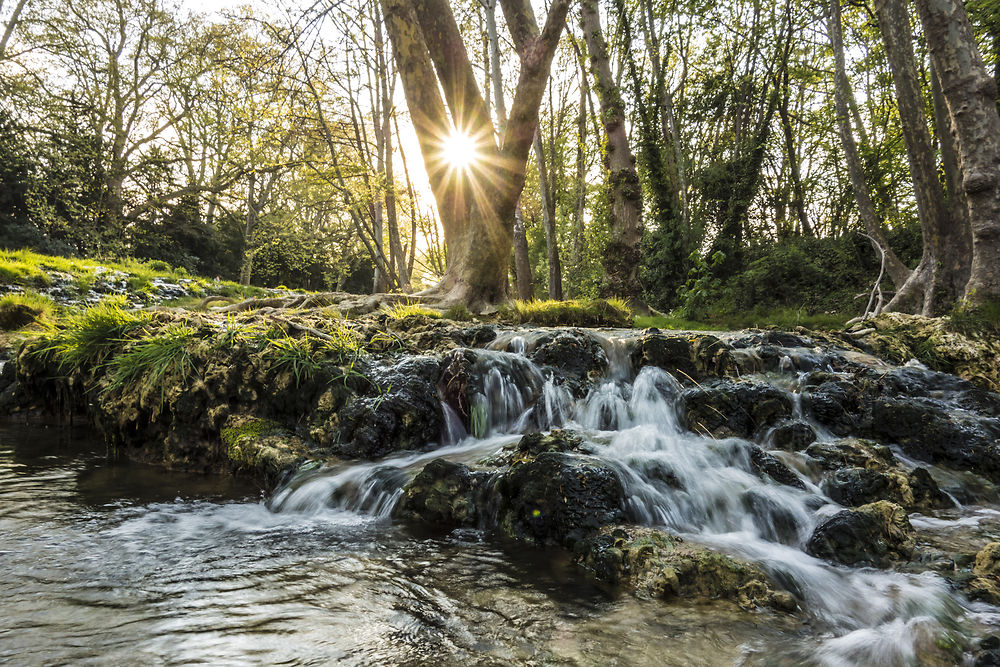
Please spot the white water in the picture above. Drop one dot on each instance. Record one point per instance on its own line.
(701, 488)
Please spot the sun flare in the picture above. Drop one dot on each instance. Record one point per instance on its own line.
(459, 150)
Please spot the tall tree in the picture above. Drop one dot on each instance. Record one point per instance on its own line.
(970, 94)
(623, 255)
(943, 269)
(898, 272)
(476, 205)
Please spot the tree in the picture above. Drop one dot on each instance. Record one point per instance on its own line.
(476, 206)
(970, 94)
(623, 255)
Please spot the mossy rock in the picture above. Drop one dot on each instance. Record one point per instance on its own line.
(260, 446)
(689, 357)
(936, 342)
(875, 534)
(654, 564)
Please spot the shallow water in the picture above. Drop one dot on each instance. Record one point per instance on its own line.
(119, 563)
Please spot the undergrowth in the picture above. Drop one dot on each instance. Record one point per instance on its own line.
(787, 318)
(983, 319)
(21, 310)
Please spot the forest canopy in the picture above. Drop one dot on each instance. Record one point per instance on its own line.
(707, 157)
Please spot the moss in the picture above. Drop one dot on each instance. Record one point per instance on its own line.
(260, 446)
(580, 313)
(250, 428)
(940, 343)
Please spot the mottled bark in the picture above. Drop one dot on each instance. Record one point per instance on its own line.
(898, 272)
(622, 256)
(970, 94)
(894, 23)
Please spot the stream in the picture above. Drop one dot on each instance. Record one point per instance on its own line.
(113, 562)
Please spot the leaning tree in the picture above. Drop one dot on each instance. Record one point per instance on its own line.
(476, 202)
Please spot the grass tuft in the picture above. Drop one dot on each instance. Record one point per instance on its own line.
(582, 313)
(153, 362)
(398, 311)
(85, 340)
(982, 319)
(18, 311)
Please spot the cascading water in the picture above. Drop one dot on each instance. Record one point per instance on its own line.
(704, 489)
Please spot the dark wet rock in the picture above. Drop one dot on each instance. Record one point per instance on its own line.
(792, 436)
(735, 409)
(557, 440)
(654, 564)
(466, 373)
(930, 432)
(774, 521)
(557, 498)
(837, 404)
(854, 487)
(404, 412)
(851, 452)
(926, 492)
(574, 352)
(442, 494)
(475, 336)
(876, 534)
(766, 464)
(689, 357)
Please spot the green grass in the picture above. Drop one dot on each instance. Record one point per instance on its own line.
(398, 311)
(18, 311)
(86, 339)
(154, 361)
(31, 269)
(579, 313)
(788, 318)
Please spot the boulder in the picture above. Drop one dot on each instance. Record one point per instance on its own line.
(654, 564)
(874, 534)
(734, 409)
(766, 464)
(688, 358)
(442, 494)
(851, 452)
(793, 436)
(984, 585)
(572, 353)
(557, 498)
(403, 412)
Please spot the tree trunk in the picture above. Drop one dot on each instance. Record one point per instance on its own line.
(970, 94)
(898, 272)
(622, 255)
(522, 263)
(548, 220)
(476, 206)
(894, 23)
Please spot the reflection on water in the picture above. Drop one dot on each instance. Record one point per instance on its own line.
(116, 563)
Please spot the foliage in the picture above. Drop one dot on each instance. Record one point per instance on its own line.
(612, 312)
(398, 311)
(702, 286)
(86, 340)
(458, 313)
(299, 355)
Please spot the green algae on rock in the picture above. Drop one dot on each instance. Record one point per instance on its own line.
(655, 564)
